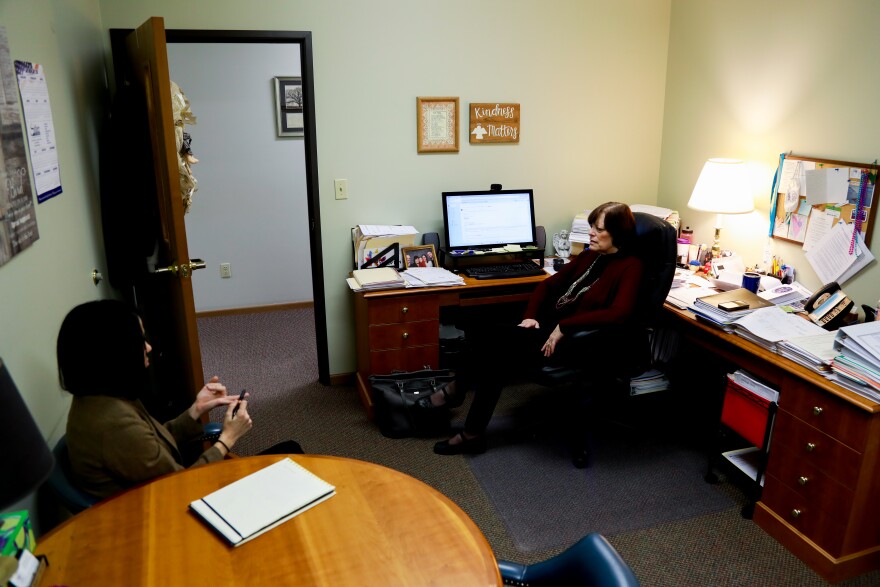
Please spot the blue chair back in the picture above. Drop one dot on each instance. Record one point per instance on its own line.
(590, 562)
(71, 497)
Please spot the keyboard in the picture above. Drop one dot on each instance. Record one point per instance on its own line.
(504, 270)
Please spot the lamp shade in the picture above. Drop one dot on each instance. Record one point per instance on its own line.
(723, 188)
(27, 460)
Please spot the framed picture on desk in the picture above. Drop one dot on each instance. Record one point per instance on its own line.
(421, 256)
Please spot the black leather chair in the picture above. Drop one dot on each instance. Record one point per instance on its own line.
(625, 352)
(590, 562)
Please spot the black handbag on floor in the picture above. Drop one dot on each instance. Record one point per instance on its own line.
(395, 395)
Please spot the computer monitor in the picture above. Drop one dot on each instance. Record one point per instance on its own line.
(486, 219)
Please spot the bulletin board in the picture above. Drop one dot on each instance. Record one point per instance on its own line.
(809, 188)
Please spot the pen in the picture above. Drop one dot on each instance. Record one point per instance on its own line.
(240, 397)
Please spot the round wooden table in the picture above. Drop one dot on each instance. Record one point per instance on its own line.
(381, 528)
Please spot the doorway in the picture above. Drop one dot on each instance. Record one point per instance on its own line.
(300, 43)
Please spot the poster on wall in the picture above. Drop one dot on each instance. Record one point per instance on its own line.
(18, 220)
(40, 130)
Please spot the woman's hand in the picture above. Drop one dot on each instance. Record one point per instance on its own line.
(235, 427)
(213, 394)
(529, 323)
(550, 346)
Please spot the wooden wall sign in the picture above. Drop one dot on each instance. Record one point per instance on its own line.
(494, 123)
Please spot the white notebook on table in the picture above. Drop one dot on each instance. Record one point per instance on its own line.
(262, 500)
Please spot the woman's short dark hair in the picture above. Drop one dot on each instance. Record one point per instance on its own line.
(619, 222)
(100, 350)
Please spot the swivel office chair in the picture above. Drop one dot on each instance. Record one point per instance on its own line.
(590, 562)
(655, 245)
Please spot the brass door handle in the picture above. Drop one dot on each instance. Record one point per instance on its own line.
(184, 269)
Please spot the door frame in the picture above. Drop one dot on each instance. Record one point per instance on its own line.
(304, 40)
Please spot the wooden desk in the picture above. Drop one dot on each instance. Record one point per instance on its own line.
(399, 329)
(381, 528)
(821, 497)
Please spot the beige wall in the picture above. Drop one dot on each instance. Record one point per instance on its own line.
(40, 285)
(589, 76)
(753, 79)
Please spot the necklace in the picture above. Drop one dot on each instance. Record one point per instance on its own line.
(567, 297)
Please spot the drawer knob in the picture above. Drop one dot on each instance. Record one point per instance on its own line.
(795, 513)
(405, 335)
(811, 446)
(405, 309)
(817, 411)
(803, 480)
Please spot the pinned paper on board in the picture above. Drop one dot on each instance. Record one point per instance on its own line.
(810, 194)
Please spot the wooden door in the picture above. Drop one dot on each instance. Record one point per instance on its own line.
(164, 296)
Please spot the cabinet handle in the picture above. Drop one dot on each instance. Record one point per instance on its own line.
(803, 480)
(795, 513)
(405, 309)
(817, 411)
(405, 335)
(810, 446)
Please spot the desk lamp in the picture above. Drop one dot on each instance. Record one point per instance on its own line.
(722, 188)
(27, 460)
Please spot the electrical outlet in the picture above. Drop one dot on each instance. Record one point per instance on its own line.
(225, 270)
(340, 187)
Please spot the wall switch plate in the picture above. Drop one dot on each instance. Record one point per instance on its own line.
(225, 270)
(340, 188)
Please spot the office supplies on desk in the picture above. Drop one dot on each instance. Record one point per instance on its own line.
(379, 245)
(783, 294)
(261, 501)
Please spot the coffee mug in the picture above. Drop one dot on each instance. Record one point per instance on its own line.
(751, 281)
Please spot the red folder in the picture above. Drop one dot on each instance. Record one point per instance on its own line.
(746, 413)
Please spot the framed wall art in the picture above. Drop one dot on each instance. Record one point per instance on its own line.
(289, 103)
(437, 125)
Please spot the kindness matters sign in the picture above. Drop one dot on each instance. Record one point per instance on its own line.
(494, 123)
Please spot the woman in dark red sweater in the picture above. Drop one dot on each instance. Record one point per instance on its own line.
(598, 288)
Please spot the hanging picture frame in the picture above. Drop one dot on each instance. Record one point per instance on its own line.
(289, 105)
(437, 125)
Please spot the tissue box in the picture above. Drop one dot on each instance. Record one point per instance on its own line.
(16, 532)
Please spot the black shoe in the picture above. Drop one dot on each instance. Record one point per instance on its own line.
(467, 446)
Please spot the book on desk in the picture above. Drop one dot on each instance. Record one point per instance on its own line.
(261, 501)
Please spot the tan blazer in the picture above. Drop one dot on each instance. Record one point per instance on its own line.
(114, 444)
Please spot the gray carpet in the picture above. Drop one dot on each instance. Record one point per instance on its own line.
(565, 503)
(273, 354)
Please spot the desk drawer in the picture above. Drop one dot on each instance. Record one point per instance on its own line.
(809, 481)
(816, 448)
(403, 309)
(824, 529)
(826, 412)
(409, 334)
(410, 359)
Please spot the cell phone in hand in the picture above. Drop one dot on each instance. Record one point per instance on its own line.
(240, 397)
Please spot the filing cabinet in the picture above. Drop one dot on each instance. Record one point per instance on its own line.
(395, 333)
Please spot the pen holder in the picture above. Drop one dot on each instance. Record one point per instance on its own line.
(751, 281)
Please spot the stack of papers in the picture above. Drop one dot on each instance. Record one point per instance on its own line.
(648, 382)
(378, 278)
(580, 228)
(786, 293)
(814, 351)
(857, 367)
(684, 297)
(769, 326)
(431, 277)
(750, 382)
(708, 308)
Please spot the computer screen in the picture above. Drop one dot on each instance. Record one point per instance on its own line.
(483, 219)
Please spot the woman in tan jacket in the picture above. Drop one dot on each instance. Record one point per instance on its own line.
(113, 442)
